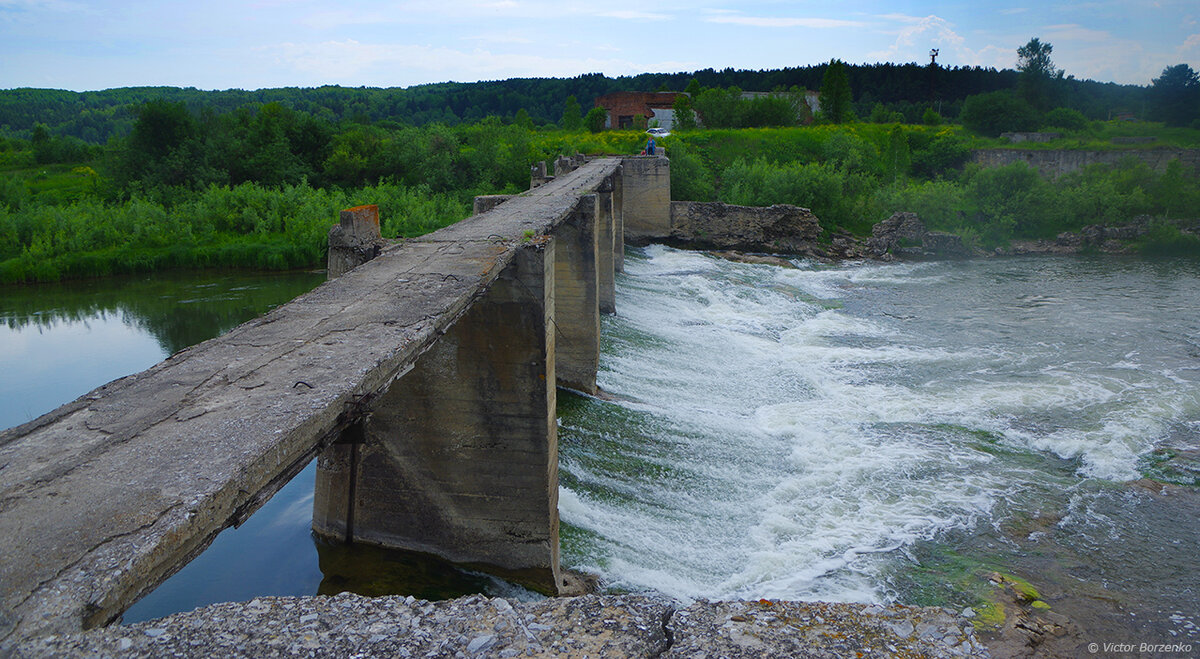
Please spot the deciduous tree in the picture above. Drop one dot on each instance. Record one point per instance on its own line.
(998, 112)
(572, 117)
(836, 99)
(595, 119)
(685, 117)
(1175, 96)
(1040, 82)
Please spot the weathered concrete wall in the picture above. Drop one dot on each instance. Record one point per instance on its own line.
(646, 198)
(105, 497)
(779, 228)
(354, 240)
(618, 201)
(1029, 137)
(606, 252)
(1054, 163)
(459, 457)
(622, 107)
(577, 297)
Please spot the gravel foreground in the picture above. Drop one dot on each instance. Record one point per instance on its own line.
(350, 625)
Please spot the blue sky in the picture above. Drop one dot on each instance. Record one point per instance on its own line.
(250, 44)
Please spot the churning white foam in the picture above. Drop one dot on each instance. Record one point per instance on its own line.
(787, 444)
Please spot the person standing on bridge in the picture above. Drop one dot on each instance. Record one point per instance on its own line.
(650, 146)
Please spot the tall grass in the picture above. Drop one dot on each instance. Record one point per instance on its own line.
(853, 176)
(244, 226)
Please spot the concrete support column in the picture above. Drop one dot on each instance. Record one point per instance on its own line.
(646, 201)
(485, 203)
(460, 455)
(618, 203)
(354, 240)
(563, 165)
(576, 298)
(605, 253)
(538, 175)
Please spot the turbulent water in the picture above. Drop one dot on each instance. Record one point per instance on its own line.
(865, 432)
(834, 432)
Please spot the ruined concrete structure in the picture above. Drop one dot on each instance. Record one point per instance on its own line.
(354, 239)
(424, 379)
(624, 107)
(1030, 137)
(1054, 163)
(714, 225)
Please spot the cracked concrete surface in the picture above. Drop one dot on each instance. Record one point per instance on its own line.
(103, 498)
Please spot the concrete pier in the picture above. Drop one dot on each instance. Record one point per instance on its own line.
(459, 457)
(576, 297)
(646, 198)
(607, 246)
(354, 240)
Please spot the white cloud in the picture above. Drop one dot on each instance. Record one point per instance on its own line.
(1190, 47)
(901, 18)
(782, 21)
(917, 35)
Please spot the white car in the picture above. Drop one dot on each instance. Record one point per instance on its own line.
(659, 132)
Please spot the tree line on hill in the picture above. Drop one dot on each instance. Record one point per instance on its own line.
(253, 178)
(906, 90)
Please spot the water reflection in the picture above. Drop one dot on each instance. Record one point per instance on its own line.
(59, 341)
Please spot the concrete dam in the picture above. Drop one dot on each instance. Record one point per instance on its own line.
(423, 381)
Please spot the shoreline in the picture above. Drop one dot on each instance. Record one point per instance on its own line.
(592, 625)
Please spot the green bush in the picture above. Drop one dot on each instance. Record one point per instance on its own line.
(1065, 118)
(936, 155)
(1013, 200)
(1165, 239)
(595, 118)
(831, 193)
(691, 180)
(998, 112)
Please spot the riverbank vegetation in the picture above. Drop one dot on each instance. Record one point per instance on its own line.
(214, 179)
(852, 176)
(203, 200)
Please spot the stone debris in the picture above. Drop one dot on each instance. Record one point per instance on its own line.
(350, 625)
(904, 234)
(819, 630)
(779, 228)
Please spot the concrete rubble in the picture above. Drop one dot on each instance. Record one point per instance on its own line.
(349, 625)
(904, 234)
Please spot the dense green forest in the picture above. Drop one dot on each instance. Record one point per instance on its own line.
(206, 179)
(95, 116)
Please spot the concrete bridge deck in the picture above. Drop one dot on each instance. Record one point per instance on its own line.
(103, 498)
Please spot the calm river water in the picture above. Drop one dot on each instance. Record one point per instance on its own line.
(856, 432)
